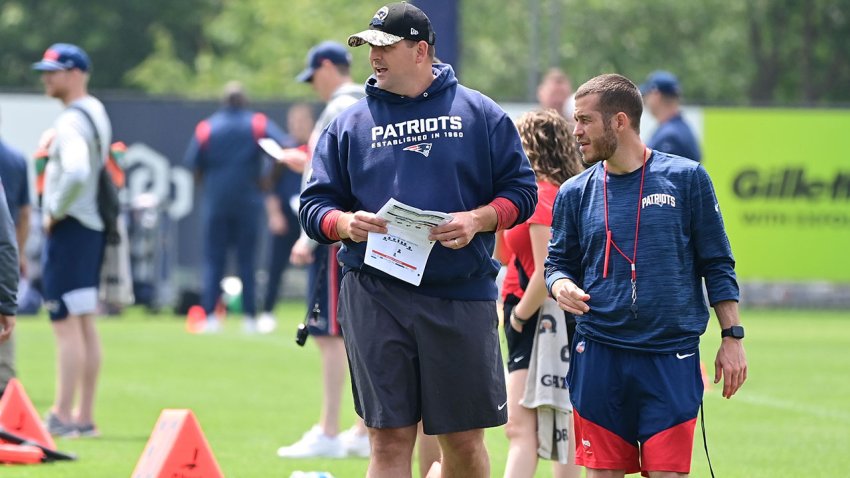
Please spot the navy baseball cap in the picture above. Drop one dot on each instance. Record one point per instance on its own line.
(393, 23)
(665, 82)
(327, 50)
(63, 56)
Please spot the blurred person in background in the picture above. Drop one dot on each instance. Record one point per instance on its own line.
(75, 236)
(9, 274)
(328, 73)
(13, 173)
(555, 91)
(554, 157)
(229, 166)
(662, 95)
(634, 237)
(281, 207)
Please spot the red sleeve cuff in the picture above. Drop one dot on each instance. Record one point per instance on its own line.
(329, 225)
(506, 212)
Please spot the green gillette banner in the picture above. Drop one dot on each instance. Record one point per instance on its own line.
(783, 182)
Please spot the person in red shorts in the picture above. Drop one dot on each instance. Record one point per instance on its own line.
(634, 238)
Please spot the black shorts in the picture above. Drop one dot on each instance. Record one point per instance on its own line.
(520, 343)
(414, 357)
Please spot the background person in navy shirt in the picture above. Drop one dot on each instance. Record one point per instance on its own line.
(662, 95)
(229, 166)
(284, 230)
(13, 173)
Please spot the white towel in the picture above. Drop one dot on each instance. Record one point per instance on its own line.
(546, 387)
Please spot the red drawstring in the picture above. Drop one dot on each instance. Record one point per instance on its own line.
(609, 241)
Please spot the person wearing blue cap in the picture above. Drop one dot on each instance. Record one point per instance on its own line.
(662, 95)
(225, 156)
(328, 72)
(75, 239)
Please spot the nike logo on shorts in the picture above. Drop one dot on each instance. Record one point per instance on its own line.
(684, 356)
(519, 359)
(503, 405)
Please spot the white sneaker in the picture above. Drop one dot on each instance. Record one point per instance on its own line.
(314, 443)
(212, 325)
(266, 323)
(355, 443)
(249, 325)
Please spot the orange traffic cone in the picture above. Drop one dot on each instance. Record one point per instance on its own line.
(17, 415)
(196, 319)
(20, 454)
(177, 447)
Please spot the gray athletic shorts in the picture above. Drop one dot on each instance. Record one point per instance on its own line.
(416, 357)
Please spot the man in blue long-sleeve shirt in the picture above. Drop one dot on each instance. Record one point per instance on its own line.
(633, 238)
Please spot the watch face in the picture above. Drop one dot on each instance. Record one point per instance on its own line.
(736, 331)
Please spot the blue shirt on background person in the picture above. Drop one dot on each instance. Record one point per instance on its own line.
(230, 165)
(13, 171)
(662, 94)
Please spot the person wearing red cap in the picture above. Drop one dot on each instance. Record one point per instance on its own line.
(74, 234)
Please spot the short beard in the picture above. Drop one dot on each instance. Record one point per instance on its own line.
(605, 146)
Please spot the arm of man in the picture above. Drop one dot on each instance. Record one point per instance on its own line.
(731, 360)
(22, 230)
(563, 261)
(514, 187)
(73, 153)
(9, 270)
(327, 199)
(193, 157)
(716, 264)
(276, 220)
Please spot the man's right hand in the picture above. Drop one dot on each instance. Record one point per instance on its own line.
(7, 325)
(357, 225)
(570, 297)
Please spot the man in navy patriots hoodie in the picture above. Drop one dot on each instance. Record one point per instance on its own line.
(633, 238)
(428, 352)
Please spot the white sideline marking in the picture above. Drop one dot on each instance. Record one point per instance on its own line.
(805, 409)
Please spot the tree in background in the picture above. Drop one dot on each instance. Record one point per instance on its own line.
(118, 34)
(781, 52)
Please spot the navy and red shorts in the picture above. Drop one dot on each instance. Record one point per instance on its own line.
(634, 411)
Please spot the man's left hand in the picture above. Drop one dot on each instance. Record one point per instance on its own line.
(458, 232)
(731, 364)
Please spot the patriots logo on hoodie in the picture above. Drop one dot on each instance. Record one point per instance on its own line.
(422, 148)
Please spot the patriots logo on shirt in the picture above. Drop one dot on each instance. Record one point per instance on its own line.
(422, 148)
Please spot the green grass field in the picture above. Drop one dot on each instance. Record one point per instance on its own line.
(253, 394)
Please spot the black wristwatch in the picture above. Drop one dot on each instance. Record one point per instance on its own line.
(736, 332)
(516, 317)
